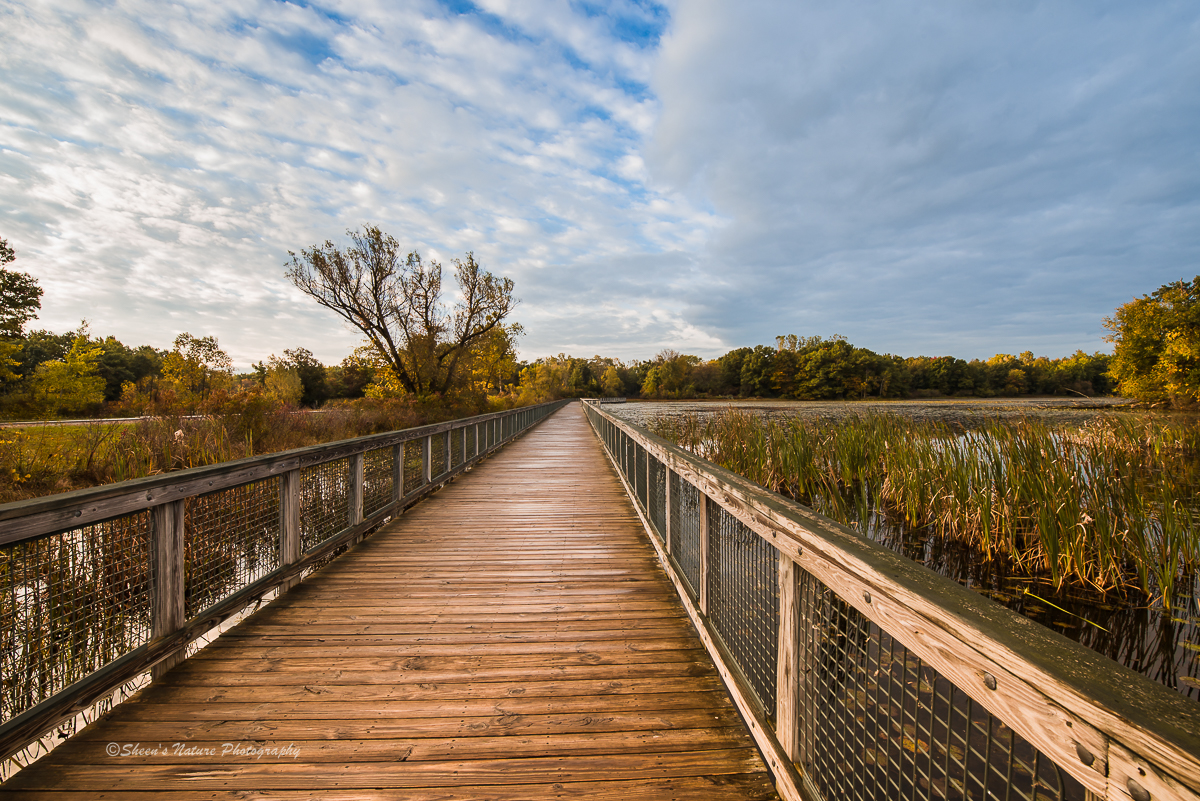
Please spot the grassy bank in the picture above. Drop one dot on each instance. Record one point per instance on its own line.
(42, 460)
(1109, 505)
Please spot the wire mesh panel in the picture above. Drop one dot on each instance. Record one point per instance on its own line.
(437, 454)
(324, 501)
(685, 531)
(877, 724)
(657, 494)
(377, 480)
(456, 447)
(470, 433)
(629, 457)
(71, 603)
(414, 466)
(743, 599)
(231, 539)
(639, 469)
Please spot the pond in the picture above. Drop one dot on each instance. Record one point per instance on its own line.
(1135, 631)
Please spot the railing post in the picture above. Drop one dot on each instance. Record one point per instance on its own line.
(289, 523)
(462, 443)
(704, 561)
(667, 509)
(397, 472)
(448, 453)
(788, 677)
(476, 440)
(356, 489)
(647, 479)
(426, 458)
(168, 588)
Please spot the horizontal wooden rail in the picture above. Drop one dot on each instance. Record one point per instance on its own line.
(36, 517)
(1119, 734)
(166, 499)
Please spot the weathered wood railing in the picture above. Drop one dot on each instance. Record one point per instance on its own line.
(100, 585)
(865, 675)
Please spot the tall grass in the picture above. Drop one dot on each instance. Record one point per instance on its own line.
(1109, 505)
(42, 460)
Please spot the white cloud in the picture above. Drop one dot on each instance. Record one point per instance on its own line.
(162, 159)
(939, 178)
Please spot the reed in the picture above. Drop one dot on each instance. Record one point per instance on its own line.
(43, 460)
(1109, 505)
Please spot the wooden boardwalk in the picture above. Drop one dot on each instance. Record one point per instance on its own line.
(513, 637)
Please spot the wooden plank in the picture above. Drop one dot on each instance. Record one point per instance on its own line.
(355, 487)
(745, 787)
(290, 549)
(513, 636)
(1058, 695)
(401, 728)
(789, 670)
(748, 786)
(38, 516)
(532, 688)
(704, 555)
(787, 779)
(424, 749)
(254, 775)
(167, 599)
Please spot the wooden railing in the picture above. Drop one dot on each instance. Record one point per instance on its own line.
(865, 675)
(100, 585)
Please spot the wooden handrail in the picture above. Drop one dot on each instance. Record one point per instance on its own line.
(165, 496)
(1121, 735)
(37, 517)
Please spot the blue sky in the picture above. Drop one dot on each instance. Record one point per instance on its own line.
(925, 178)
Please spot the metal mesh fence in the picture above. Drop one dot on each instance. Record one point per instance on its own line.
(437, 455)
(71, 603)
(456, 447)
(324, 501)
(877, 724)
(470, 433)
(639, 462)
(743, 599)
(657, 494)
(231, 538)
(685, 531)
(414, 468)
(377, 480)
(628, 461)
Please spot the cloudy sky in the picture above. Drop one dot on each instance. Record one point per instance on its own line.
(938, 177)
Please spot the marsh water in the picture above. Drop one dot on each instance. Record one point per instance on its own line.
(1133, 630)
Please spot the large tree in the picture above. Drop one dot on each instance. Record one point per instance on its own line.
(1157, 338)
(397, 303)
(20, 295)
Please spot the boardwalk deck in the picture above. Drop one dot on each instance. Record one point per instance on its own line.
(513, 637)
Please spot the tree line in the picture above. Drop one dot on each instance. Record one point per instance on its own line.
(814, 368)
(420, 346)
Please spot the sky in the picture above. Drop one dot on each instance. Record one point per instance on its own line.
(927, 178)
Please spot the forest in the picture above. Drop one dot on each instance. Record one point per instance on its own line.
(463, 357)
(815, 368)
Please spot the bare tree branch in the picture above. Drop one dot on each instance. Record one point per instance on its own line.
(398, 304)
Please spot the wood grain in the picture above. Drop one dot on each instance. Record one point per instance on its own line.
(512, 636)
(1055, 693)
